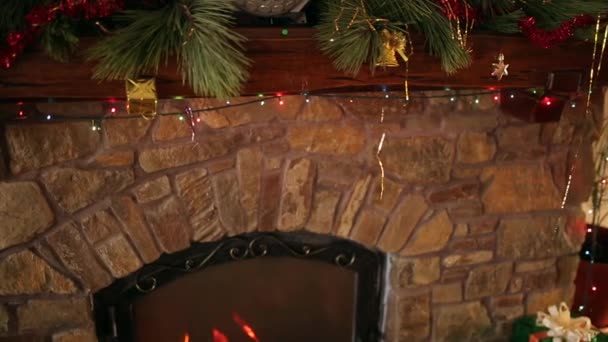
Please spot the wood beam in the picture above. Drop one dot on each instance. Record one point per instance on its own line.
(293, 63)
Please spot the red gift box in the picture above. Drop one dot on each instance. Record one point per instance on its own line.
(596, 306)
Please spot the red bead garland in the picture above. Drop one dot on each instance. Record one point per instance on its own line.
(45, 14)
(547, 39)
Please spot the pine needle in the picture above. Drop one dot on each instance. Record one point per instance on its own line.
(196, 32)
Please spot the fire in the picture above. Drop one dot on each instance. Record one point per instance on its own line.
(247, 329)
(186, 338)
(218, 336)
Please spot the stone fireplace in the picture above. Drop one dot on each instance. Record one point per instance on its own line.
(469, 217)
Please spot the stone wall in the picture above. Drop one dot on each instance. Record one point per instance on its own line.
(469, 211)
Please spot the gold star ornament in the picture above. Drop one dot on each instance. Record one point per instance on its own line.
(500, 68)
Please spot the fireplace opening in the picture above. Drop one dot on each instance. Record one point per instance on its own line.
(262, 287)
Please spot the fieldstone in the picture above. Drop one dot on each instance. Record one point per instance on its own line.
(473, 120)
(24, 213)
(539, 280)
(118, 255)
(321, 109)
(249, 168)
(228, 200)
(461, 230)
(486, 242)
(459, 192)
(519, 188)
(415, 317)
(170, 127)
(470, 258)
(324, 205)
(391, 194)
(567, 267)
(296, 195)
(449, 275)
(99, 226)
(465, 211)
(475, 147)
(152, 190)
(208, 147)
(169, 225)
(115, 158)
(216, 120)
(73, 251)
(432, 236)
(462, 245)
(368, 227)
(541, 301)
(135, 227)
(220, 165)
(3, 319)
(485, 226)
(24, 273)
(338, 173)
(327, 139)
(345, 222)
(74, 189)
(195, 191)
(419, 271)
(466, 172)
(518, 137)
(422, 123)
(532, 238)
(270, 200)
(534, 266)
(462, 322)
(418, 159)
(75, 335)
(32, 147)
(125, 131)
(488, 280)
(48, 314)
(402, 223)
(507, 300)
(447, 293)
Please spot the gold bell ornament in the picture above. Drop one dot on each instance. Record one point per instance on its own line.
(393, 44)
(141, 97)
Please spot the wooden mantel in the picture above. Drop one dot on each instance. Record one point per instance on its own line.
(294, 63)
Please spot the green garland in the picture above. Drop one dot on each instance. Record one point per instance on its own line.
(198, 34)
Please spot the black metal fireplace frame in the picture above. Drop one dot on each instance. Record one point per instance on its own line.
(113, 305)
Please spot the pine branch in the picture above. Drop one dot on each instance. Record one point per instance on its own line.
(196, 32)
(59, 39)
(506, 23)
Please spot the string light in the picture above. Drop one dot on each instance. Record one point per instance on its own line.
(227, 102)
(573, 105)
(452, 99)
(496, 98)
(386, 96)
(48, 117)
(581, 307)
(262, 103)
(181, 118)
(281, 102)
(512, 96)
(587, 252)
(113, 110)
(594, 288)
(477, 101)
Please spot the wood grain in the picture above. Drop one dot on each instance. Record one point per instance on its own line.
(294, 63)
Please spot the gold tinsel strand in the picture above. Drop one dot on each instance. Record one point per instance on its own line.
(380, 145)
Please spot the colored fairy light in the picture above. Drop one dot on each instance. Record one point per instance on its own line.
(588, 230)
(260, 95)
(181, 118)
(512, 96)
(113, 110)
(547, 101)
(573, 105)
(331, 40)
(48, 117)
(594, 288)
(496, 98)
(227, 102)
(351, 101)
(452, 99)
(587, 252)
(262, 103)
(178, 97)
(581, 307)
(307, 100)
(386, 96)
(281, 102)
(590, 211)
(534, 91)
(21, 113)
(198, 120)
(476, 101)
(284, 32)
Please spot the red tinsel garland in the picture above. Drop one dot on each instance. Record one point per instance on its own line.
(45, 14)
(547, 39)
(459, 9)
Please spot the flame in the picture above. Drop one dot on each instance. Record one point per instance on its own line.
(247, 329)
(186, 338)
(218, 336)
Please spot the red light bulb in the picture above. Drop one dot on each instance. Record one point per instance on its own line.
(113, 110)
